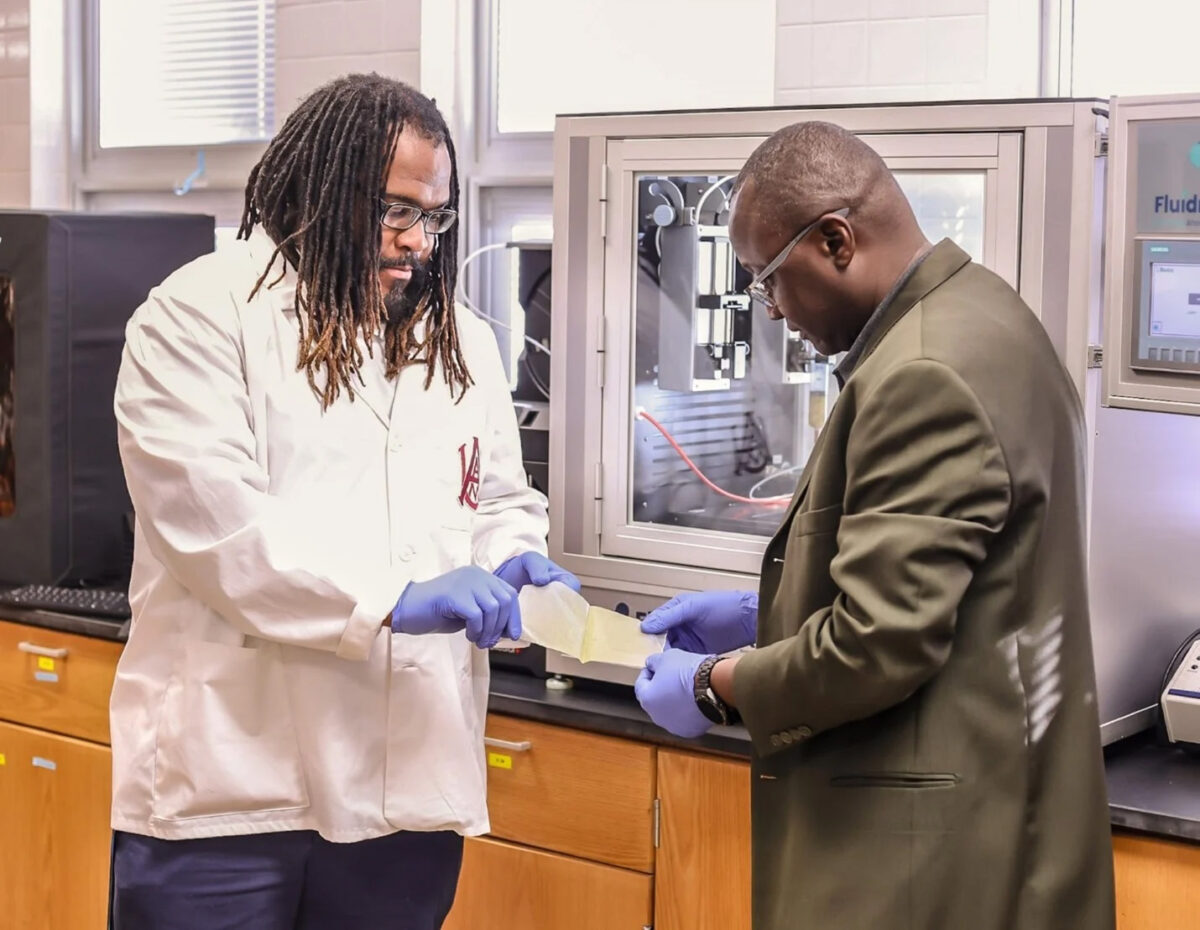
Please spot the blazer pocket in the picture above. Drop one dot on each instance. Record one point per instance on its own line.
(226, 740)
(812, 522)
(903, 780)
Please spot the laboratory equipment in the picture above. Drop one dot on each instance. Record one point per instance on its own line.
(1142, 400)
(1180, 701)
(682, 416)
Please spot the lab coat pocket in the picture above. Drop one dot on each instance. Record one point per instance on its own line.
(434, 775)
(226, 741)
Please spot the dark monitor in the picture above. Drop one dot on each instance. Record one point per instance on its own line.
(68, 284)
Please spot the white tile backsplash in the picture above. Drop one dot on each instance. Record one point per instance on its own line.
(791, 12)
(955, 7)
(347, 27)
(839, 54)
(794, 98)
(897, 52)
(840, 11)
(318, 41)
(886, 50)
(958, 50)
(794, 58)
(897, 9)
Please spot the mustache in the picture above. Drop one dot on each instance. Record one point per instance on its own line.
(409, 262)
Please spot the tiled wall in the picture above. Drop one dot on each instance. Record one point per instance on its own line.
(316, 40)
(14, 103)
(865, 51)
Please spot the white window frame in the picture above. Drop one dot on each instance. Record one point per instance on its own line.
(150, 169)
(527, 154)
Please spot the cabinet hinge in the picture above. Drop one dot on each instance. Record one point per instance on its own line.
(1101, 144)
(598, 495)
(1095, 356)
(604, 202)
(657, 822)
(601, 348)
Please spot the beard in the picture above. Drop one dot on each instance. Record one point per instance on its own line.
(403, 297)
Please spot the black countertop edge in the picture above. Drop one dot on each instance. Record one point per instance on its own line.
(96, 627)
(1152, 788)
(605, 709)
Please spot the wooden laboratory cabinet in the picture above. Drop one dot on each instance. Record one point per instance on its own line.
(55, 778)
(703, 877)
(591, 831)
(507, 886)
(572, 842)
(1158, 883)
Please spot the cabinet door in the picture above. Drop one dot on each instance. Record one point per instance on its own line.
(506, 887)
(55, 797)
(571, 792)
(703, 877)
(1158, 883)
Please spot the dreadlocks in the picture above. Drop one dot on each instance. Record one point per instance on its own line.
(316, 192)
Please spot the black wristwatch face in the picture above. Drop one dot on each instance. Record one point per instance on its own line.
(710, 705)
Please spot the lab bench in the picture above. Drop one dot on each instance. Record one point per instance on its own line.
(599, 818)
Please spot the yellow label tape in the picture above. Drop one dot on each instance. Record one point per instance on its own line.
(45, 663)
(498, 760)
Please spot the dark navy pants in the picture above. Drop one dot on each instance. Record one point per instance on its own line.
(284, 881)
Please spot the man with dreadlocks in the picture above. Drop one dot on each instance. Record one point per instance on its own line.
(333, 522)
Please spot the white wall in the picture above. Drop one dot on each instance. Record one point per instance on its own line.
(865, 51)
(14, 103)
(316, 40)
(827, 51)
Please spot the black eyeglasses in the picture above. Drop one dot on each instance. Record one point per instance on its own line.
(403, 216)
(758, 287)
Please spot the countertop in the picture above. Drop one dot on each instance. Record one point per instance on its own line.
(1152, 788)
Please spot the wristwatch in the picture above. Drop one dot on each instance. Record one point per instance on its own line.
(707, 699)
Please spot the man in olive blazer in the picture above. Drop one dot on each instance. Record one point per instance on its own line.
(921, 700)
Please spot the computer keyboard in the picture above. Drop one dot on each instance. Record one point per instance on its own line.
(84, 602)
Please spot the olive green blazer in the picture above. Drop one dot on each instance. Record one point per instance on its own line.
(922, 698)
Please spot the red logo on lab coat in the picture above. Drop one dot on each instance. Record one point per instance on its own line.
(469, 496)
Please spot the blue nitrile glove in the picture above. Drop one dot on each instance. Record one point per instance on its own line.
(709, 622)
(535, 569)
(467, 598)
(666, 690)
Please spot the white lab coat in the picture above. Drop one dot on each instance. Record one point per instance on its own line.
(259, 690)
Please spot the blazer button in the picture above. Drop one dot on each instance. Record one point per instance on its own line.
(776, 741)
(787, 738)
(803, 733)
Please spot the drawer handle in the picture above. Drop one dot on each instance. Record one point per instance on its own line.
(493, 743)
(35, 650)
